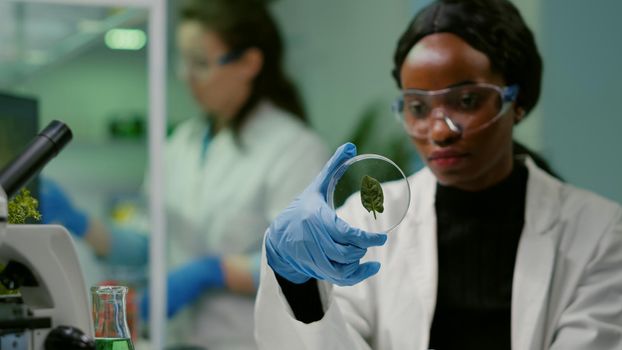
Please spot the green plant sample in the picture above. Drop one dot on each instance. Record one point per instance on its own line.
(372, 197)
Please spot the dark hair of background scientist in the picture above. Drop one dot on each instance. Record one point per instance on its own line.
(243, 24)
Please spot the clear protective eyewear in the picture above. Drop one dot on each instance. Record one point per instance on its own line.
(464, 108)
(199, 68)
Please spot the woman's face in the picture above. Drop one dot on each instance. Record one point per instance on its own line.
(478, 160)
(219, 89)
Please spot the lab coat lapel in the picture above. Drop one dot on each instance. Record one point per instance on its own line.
(534, 261)
(422, 251)
(427, 269)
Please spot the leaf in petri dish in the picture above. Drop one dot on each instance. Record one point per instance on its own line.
(372, 197)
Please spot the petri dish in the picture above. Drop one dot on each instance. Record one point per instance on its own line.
(366, 209)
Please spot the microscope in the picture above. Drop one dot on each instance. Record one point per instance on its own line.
(47, 307)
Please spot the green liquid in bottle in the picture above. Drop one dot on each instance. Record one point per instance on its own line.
(113, 344)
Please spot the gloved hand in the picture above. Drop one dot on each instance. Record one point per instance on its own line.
(186, 283)
(56, 207)
(308, 240)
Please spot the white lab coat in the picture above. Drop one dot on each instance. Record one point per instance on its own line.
(567, 287)
(223, 205)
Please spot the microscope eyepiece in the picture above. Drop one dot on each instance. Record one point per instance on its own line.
(45, 146)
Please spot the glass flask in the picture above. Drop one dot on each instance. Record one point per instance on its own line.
(109, 315)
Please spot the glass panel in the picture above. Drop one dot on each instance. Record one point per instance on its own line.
(69, 64)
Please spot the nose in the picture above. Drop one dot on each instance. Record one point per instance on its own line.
(443, 131)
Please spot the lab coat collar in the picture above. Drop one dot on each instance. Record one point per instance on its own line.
(423, 191)
(260, 122)
(535, 258)
(543, 202)
(421, 253)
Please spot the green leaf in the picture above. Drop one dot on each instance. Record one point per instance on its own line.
(372, 197)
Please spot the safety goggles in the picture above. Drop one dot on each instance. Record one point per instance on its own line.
(464, 108)
(199, 67)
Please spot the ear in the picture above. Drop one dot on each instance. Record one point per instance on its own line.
(519, 113)
(252, 62)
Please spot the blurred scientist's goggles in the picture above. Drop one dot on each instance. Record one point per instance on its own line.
(464, 108)
(199, 68)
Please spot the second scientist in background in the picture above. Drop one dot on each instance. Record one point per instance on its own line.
(230, 174)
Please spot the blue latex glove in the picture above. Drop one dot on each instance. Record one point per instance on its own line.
(308, 240)
(185, 284)
(56, 207)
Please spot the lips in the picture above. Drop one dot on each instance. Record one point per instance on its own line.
(447, 158)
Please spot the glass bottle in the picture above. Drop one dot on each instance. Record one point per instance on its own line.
(109, 315)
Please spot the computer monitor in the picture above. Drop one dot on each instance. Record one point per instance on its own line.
(19, 124)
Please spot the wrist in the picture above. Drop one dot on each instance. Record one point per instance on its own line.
(282, 267)
(239, 273)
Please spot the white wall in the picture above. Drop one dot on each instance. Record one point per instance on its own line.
(581, 45)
